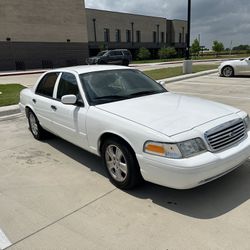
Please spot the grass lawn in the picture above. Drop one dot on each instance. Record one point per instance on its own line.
(9, 94)
(158, 74)
(222, 57)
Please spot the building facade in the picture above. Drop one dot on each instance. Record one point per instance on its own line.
(42, 34)
(110, 30)
(47, 34)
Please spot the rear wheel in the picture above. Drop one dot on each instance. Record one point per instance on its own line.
(227, 71)
(125, 62)
(37, 131)
(121, 164)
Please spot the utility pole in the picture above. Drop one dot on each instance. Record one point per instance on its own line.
(231, 47)
(187, 66)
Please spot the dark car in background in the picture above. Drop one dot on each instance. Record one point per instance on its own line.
(116, 56)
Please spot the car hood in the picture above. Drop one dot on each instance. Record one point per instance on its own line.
(232, 62)
(168, 113)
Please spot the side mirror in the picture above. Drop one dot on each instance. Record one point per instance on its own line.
(69, 99)
(161, 82)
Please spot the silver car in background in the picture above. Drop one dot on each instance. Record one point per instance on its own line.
(235, 67)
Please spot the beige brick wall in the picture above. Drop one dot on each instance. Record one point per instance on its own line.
(178, 26)
(43, 20)
(122, 21)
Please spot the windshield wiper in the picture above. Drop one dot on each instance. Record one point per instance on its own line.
(110, 97)
(142, 93)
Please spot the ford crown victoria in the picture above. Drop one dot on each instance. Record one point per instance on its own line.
(141, 131)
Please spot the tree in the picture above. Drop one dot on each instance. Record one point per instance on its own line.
(195, 48)
(168, 52)
(242, 47)
(217, 47)
(144, 54)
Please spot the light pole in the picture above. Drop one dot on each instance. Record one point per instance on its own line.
(187, 65)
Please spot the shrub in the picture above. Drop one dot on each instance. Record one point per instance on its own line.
(143, 54)
(168, 52)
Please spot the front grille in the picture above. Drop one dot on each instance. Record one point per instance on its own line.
(226, 134)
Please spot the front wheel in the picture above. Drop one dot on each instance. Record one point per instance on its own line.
(227, 71)
(37, 131)
(121, 164)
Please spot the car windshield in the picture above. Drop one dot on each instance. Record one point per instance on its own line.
(115, 85)
(101, 53)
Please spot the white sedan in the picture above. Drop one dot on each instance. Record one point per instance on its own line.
(141, 131)
(235, 67)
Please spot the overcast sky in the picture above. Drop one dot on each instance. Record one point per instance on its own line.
(224, 20)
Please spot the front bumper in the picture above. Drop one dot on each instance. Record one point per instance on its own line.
(194, 171)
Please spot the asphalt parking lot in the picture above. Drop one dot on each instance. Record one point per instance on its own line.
(54, 195)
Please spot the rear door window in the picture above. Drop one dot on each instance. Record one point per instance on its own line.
(47, 84)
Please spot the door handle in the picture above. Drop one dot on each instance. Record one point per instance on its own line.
(34, 101)
(53, 107)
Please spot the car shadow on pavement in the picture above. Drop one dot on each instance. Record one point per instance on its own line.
(205, 202)
(93, 162)
(245, 76)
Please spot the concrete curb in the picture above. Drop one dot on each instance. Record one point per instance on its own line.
(189, 76)
(9, 110)
(19, 73)
(14, 109)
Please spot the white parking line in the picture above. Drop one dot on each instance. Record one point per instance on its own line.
(4, 241)
(215, 84)
(223, 96)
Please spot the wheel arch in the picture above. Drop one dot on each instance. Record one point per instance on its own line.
(108, 135)
(27, 108)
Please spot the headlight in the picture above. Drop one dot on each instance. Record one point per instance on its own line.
(191, 147)
(247, 122)
(175, 151)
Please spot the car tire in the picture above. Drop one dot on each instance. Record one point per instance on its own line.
(227, 71)
(102, 62)
(37, 131)
(121, 164)
(125, 62)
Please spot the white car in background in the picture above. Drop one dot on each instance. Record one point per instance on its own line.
(140, 130)
(235, 67)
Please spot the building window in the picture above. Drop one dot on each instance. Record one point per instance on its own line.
(118, 36)
(138, 36)
(154, 36)
(180, 37)
(106, 35)
(128, 36)
(183, 34)
(162, 37)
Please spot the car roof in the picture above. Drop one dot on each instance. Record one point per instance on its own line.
(89, 68)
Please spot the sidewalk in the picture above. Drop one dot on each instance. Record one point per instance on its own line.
(18, 73)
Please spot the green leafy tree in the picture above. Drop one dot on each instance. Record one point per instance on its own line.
(217, 47)
(168, 52)
(195, 48)
(242, 47)
(144, 54)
